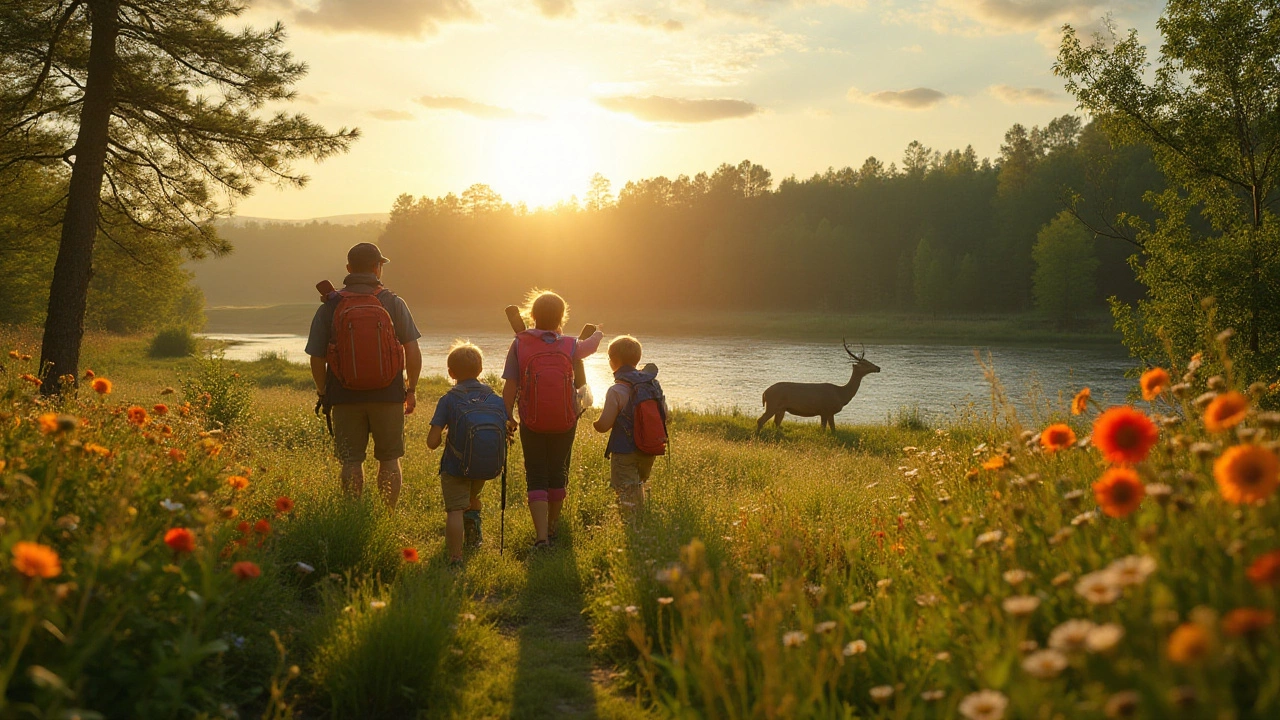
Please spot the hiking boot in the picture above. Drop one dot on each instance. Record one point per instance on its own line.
(471, 529)
(541, 545)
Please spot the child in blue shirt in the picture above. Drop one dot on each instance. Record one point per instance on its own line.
(475, 419)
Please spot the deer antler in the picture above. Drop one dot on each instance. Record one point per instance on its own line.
(846, 348)
(863, 354)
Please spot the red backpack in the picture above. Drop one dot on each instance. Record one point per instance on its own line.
(649, 426)
(546, 383)
(364, 352)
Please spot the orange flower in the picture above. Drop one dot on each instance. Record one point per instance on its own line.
(284, 504)
(246, 570)
(32, 379)
(96, 449)
(244, 527)
(1265, 569)
(36, 560)
(15, 354)
(1119, 491)
(102, 386)
(1225, 411)
(1246, 473)
(1057, 437)
(994, 463)
(1080, 402)
(48, 423)
(1124, 435)
(410, 554)
(177, 455)
(1189, 644)
(180, 539)
(138, 415)
(1247, 621)
(238, 482)
(262, 527)
(1154, 382)
(160, 409)
(88, 374)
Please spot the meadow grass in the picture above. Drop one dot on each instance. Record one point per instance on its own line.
(893, 570)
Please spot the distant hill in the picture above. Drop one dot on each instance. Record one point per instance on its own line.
(352, 219)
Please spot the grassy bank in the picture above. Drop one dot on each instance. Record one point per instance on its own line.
(879, 571)
(885, 328)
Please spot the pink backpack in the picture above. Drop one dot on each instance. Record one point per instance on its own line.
(546, 382)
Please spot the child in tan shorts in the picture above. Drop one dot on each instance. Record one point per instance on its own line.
(629, 468)
(475, 418)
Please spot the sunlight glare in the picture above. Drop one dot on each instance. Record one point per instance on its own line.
(541, 162)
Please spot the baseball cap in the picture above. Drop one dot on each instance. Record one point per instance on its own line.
(365, 254)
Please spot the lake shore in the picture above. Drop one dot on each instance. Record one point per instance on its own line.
(881, 328)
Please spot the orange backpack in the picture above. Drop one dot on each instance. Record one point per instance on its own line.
(364, 352)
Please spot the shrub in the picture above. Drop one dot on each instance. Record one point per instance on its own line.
(219, 393)
(344, 537)
(173, 343)
(908, 417)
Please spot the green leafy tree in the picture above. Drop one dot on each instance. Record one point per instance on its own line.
(157, 107)
(931, 276)
(1211, 115)
(599, 193)
(1065, 279)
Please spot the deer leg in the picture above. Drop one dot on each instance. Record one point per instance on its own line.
(777, 418)
(829, 420)
(763, 419)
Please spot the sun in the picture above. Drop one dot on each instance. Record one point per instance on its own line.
(543, 161)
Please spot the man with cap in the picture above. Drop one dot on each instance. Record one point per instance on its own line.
(359, 413)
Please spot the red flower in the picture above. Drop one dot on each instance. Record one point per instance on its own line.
(177, 455)
(160, 409)
(244, 527)
(410, 554)
(1124, 435)
(1119, 491)
(138, 416)
(284, 504)
(180, 539)
(246, 570)
(1057, 437)
(262, 527)
(1265, 569)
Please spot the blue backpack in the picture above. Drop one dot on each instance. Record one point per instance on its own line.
(478, 435)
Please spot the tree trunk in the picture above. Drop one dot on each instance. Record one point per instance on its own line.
(68, 293)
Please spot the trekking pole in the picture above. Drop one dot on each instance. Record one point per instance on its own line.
(502, 523)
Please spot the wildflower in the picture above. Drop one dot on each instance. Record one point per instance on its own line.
(177, 455)
(1189, 644)
(15, 354)
(170, 505)
(137, 416)
(943, 656)
(825, 627)
(1225, 411)
(855, 647)
(884, 583)
(1119, 491)
(246, 570)
(1021, 605)
(1061, 579)
(927, 600)
(1058, 436)
(377, 604)
(666, 600)
(795, 638)
(1265, 569)
(467, 617)
(1122, 705)
(1159, 492)
(35, 560)
(984, 705)
(409, 554)
(1071, 636)
(160, 409)
(992, 536)
(303, 568)
(1080, 403)
(243, 527)
(1154, 383)
(932, 695)
(881, 693)
(1103, 638)
(180, 540)
(1084, 518)
(48, 423)
(262, 527)
(1247, 621)
(68, 523)
(1016, 577)
(284, 504)
(861, 605)
(632, 610)
(1246, 474)
(1132, 570)
(995, 463)
(1099, 588)
(1044, 664)
(1124, 435)
(238, 482)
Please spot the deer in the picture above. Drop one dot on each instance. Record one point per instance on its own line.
(822, 400)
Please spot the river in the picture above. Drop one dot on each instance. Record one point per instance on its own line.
(725, 373)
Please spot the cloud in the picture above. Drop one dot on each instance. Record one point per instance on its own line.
(390, 115)
(654, 108)
(920, 98)
(995, 17)
(405, 18)
(650, 22)
(726, 59)
(556, 8)
(915, 49)
(473, 108)
(1016, 96)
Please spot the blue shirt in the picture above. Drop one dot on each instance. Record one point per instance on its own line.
(447, 414)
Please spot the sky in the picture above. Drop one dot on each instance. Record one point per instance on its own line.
(533, 97)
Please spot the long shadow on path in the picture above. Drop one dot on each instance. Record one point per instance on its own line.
(554, 671)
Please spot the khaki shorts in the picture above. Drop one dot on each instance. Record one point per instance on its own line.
(458, 491)
(353, 423)
(629, 469)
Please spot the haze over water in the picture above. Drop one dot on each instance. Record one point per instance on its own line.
(725, 373)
